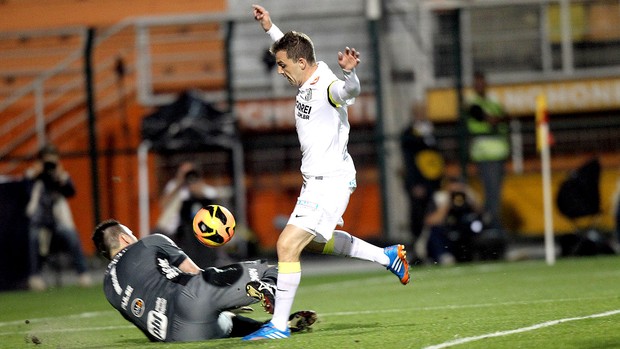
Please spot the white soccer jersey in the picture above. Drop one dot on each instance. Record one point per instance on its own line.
(322, 120)
(322, 127)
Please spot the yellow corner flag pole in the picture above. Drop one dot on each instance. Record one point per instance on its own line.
(542, 144)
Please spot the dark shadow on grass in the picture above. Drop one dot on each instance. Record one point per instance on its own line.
(128, 341)
(349, 327)
(225, 343)
(123, 343)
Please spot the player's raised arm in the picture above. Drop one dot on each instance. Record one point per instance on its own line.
(188, 266)
(342, 92)
(263, 17)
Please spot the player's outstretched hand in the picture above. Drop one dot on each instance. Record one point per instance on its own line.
(262, 16)
(349, 59)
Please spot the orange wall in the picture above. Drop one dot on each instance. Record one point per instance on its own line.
(268, 196)
(37, 14)
(362, 217)
(117, 174)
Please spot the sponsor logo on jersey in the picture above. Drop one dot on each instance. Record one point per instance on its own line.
(160, 305)
(253, 274)
(157, 324)
(156, 320)
(137, 307)
(169, 271)
(117, 287)
(126, 297)
(112, 272)
(303, 116)
(303, 110)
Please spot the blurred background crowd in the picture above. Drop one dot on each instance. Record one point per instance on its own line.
(145, 110)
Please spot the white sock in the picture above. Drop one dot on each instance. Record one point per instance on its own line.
(345, 244)
(289, 276)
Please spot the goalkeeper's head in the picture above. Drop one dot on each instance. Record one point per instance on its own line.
(111, 236)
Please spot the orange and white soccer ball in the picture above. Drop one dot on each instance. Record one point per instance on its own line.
(214, 225)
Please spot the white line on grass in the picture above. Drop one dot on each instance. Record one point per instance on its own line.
(462, 306)
(348, 313)
(520, 330)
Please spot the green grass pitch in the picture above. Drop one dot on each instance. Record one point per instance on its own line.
(573, 304)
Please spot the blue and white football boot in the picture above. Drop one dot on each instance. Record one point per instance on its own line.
(398, 262)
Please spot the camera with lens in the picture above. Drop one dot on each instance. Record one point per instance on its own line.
(191, 176)
(464, 224)
(49, 174)
(49, 167)
(462, 215)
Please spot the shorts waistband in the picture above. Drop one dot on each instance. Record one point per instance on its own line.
(351, 180)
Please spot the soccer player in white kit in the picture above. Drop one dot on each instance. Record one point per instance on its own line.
(328, 171)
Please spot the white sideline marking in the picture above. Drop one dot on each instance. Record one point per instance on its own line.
(520, 330)
(366, 312)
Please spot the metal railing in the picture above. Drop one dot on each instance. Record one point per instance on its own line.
(48, 110)
(49, 106)
(250, 82)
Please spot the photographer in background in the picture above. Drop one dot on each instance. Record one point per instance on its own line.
(423, 169)
(183, 196)
(50, 217)
(454, 222)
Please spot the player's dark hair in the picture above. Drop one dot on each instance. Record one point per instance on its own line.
(106, 239)
(297, 45)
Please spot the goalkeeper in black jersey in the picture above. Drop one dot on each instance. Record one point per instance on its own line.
(158, 288)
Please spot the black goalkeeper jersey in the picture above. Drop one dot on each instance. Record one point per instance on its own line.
(142, 282)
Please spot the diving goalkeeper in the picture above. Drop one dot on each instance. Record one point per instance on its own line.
(159, 289)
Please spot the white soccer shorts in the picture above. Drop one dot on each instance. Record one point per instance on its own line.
(321, 204)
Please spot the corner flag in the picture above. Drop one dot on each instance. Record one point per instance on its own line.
(543, 135)
(542, 144)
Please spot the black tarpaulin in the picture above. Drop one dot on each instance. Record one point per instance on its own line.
(579, 194)
(189, 123)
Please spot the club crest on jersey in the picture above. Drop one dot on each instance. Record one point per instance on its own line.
(306, 94)
(137, 307)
